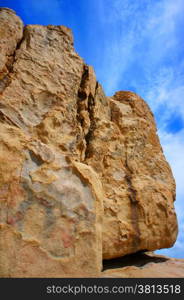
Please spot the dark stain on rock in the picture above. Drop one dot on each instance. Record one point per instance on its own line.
(35, 158)
(134, 212)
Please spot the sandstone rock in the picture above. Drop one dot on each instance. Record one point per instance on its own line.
(51, 208)
(124, 150)
(67, 150)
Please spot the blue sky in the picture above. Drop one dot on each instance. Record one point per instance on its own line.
(133, 45)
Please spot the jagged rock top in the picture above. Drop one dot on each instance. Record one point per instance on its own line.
(11, 31)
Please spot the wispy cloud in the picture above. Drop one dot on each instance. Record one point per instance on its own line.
(139, 37)
(165, 95)
(143, 51)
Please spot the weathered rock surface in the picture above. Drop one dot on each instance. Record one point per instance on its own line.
(124, 150)
(11, 30)
(51, 207)
(82, 175)
(148, 265)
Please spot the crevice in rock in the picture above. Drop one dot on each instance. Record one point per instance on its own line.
(81, 92)
(6, 79)
(138, 259)
(82, 96)
(4, 119)
(7, 118)
(89, 135)
(85, 109)
(35, 158)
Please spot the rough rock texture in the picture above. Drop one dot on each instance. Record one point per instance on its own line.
(82, 175)
(51, 207)
(124, 150)
(11, 29)
(146, 265)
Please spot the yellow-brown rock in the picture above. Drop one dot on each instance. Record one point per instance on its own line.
(82, 176)
(51, 207)
(124, 150)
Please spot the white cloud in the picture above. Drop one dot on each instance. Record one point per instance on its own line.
(143, 32)
(165, 95)
(147, 38)
(119, 41)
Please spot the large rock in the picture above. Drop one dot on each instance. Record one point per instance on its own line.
(51, 206)
(124, 150)
(67, 150)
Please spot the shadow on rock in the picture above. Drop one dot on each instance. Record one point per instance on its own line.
(138, 259)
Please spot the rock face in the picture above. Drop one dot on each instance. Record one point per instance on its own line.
(138, 184)
(82, 176)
